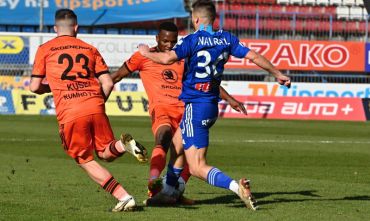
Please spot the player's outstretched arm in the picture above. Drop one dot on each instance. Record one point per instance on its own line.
(106, 84)
(262, 62)
(120, 73)
(169, 57)
(235, 104)
(36, 86)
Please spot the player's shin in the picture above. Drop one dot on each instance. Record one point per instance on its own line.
(157, 162)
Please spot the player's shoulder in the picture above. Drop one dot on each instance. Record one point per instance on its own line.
(137, 56)
(82, 43)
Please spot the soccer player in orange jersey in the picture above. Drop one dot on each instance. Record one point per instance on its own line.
(79, 80)
(163, 85)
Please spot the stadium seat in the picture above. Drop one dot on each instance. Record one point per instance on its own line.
(323, 26)
(338, 26)
(355, 13)
(305, 9)
(236, 7)
(365, 14)
(45, 29)
(14, 28)
(299, 25)
(299, 2)
(351, 26)
(221, 6)
(330, 10)
(98, 31)
(2, 28)
(283, 2)
(112, 31)
(83, 30)
(264, 8)
(322, 2)
(360, 2)
(269, 2)
(311, 25)
(348, 2)
(335, 2)
(291, 8)
(342, 12)
(139, 31)
(309, 2)
(362, 27)
(126, 31)
(28, 29)
(152, 31)
(230, 24)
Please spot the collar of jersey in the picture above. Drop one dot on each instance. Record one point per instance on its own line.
(207, 28)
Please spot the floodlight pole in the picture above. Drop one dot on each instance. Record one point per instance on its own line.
(41, 22)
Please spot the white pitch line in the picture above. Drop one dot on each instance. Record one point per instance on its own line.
(14, 139)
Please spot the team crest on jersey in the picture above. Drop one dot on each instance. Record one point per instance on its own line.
(169, 75)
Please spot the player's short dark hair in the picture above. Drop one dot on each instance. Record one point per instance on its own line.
(206, 6)
(168, 26)
(65, 14)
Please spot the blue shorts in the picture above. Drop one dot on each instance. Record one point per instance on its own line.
(195, 124)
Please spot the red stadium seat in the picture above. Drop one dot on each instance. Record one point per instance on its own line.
(351, 26)
(250, 8)
(310, 25)
(291, 8)
(362, 27)
(338, 26)
(236, 7)
(299, 25)
(264, 8)
(323, 26)
(305, 9)
(230, 24)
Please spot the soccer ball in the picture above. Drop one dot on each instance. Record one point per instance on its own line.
(180, 187)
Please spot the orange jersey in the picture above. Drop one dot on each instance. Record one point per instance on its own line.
(162, 83)
(71, 67)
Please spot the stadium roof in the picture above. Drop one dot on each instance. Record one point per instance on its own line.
(93, 12)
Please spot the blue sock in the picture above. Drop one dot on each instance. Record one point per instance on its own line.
(216, 177)
(173, 175)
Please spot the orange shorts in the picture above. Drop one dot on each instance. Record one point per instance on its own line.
(83, 135)
(166, 115)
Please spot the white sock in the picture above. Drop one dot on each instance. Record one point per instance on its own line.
(234, 186)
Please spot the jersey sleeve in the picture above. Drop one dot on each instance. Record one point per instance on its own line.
(237, 49)
(100, 65)
(39, 65)
(134, 62)
(183, 48)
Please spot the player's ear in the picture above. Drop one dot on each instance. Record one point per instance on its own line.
(75, 28)
(55, 29)
(157, 38)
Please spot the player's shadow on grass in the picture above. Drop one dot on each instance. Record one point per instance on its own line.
(235, 202)
(230, 199)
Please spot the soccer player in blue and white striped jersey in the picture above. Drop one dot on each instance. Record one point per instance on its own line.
(206, 53)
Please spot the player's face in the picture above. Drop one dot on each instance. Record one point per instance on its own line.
(166, 40)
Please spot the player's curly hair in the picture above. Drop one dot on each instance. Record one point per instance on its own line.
(205, 6)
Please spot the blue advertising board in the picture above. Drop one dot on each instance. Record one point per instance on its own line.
(91, 12)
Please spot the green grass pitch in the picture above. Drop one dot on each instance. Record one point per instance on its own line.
(300, 170)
